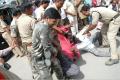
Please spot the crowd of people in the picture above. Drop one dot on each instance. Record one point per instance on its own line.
(51, 33)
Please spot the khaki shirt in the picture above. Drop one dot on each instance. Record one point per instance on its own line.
(2, 25)
(25, 26)
(102, 13)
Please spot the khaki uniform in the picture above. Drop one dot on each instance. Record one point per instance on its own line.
(8, 38)
(15, 34)
(104, 30)
(105, 15)
(25, 26)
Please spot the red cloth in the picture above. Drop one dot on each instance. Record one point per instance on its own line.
(2, 76)
(94, 3)
(66, 45)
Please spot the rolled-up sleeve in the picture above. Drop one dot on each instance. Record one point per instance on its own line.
(95, 18)
(14, 31)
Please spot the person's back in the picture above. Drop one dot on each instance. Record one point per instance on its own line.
(104, 13)
(25, 24)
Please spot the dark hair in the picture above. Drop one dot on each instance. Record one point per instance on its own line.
(1, 12)
(52, 13)
(25, 6)
(66, 21)
(114, 0)
(85, 8)
(16, 12)
(57, 0)
(37, 2)
(44, 1)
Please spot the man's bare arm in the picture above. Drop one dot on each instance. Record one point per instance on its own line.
(91, 27)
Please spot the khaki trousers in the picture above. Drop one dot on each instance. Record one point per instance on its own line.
(111, 34)
(8, 39)
(104, 30)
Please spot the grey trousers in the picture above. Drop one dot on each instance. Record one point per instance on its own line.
(92, 49)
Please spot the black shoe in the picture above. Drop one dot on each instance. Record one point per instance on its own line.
(111, 62)
(7, 66)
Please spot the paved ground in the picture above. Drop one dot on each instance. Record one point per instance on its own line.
(92, 68)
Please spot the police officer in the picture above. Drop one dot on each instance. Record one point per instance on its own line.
(45, 52)
(25, 25)
(108, 16)
(5, 30)
(14, 31)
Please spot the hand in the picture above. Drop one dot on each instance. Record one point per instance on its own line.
(13, 45)
(2, 61)
(74, 49)
(88, 34)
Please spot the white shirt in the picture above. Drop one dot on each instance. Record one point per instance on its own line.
(61, 11)
(39, 12)
(69, 7)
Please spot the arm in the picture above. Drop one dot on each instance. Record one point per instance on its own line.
(5, 27)
(91, 27)
(95, 19)
(66, 7)
(78, 2)
(15, 32)
(40, 39)
(73, 14)
(14, 28)
(7, 50)
(58, 30)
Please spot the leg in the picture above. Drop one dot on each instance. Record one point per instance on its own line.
(112, 32)
(104, 35)
(58, 70)
(97, 52)
(41, 71)
(92, 49)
